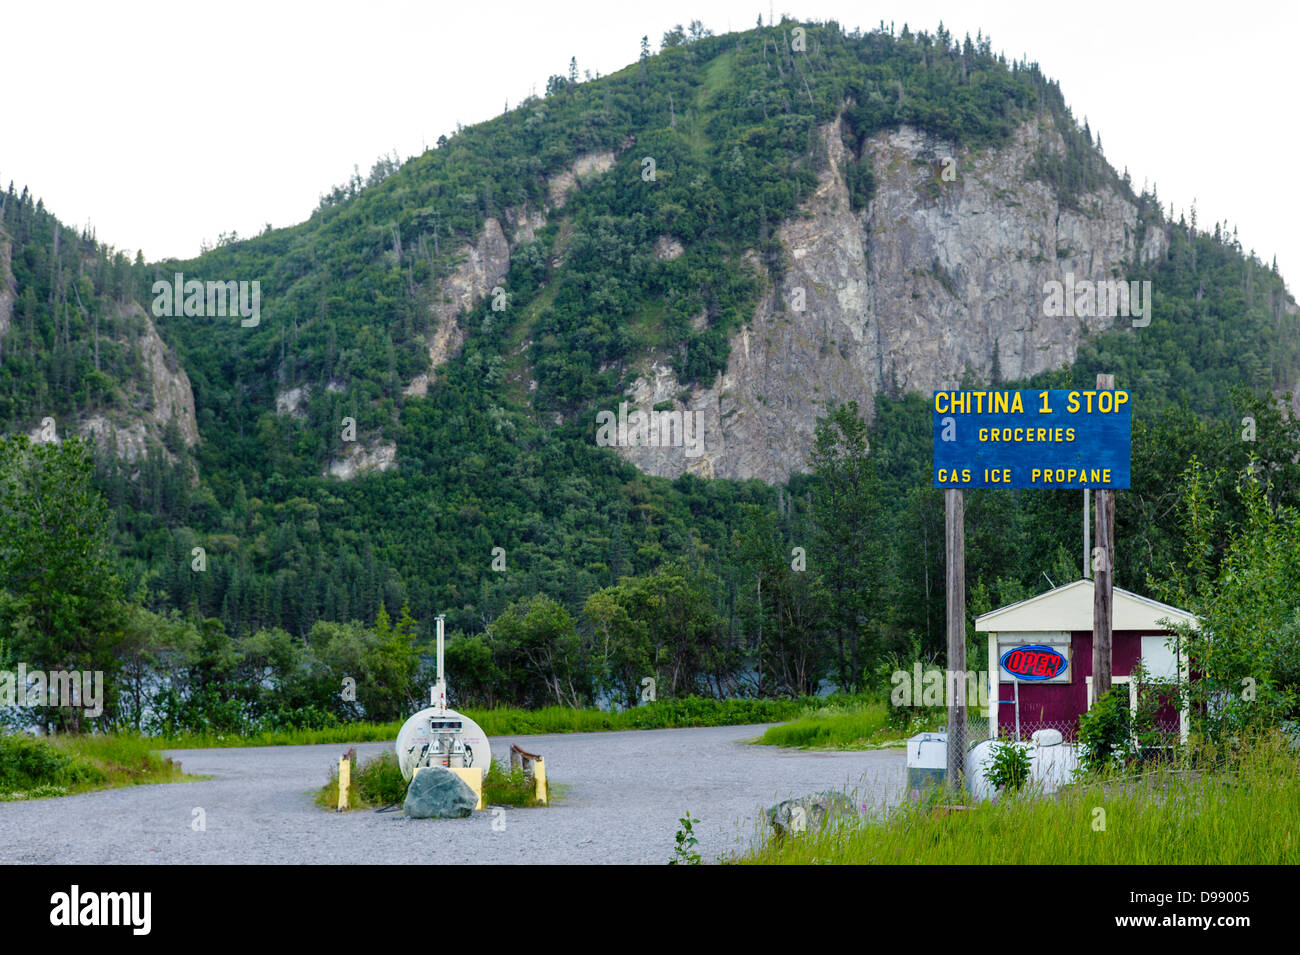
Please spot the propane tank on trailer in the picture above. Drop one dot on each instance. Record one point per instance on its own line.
(438, 736)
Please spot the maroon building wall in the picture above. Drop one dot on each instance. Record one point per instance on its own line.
(1059, 705)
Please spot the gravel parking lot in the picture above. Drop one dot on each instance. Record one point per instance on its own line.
(620, 800)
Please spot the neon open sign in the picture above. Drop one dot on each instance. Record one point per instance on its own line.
(1034, 663)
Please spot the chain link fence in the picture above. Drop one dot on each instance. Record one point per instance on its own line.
(1069, 729)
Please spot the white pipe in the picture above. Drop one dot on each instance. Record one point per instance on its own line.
(438, 694)
(440, 645)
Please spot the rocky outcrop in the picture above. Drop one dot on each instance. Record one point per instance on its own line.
(360, 459)
(292, 401)
(562, 185)
(667, 248)
(480, 268)
(483, 265)
(935, 277)
(169, 386)
(524, 221)
(149, 407)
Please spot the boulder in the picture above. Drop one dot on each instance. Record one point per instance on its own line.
(438, 793)
(807, 812)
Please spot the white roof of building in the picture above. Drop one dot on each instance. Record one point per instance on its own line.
(1070, 608)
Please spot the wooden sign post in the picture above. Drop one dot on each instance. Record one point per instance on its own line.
(1050, 439)
(1103, 585)
(955, 678)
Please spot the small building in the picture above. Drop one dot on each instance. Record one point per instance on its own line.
(1062, 620)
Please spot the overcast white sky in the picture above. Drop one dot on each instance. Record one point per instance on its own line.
(164, 124)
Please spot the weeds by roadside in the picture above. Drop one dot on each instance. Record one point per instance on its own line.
(1245, 810)
(507, 721)
(851, 722)
(38, 768)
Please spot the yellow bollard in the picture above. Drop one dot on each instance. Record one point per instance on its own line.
(474, 779)
(539, 779)
(345, 782)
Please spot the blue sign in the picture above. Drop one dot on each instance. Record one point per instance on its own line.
(1034, 662)
(1032, 439)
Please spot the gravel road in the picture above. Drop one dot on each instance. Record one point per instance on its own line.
(622, 796)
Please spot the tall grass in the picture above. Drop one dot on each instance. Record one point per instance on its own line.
(33, 768)
(849, 723)
(509, 721)
(1248, 813)
(359, 732)
(376, 782)
(510, 787)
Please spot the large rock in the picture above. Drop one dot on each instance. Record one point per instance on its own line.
(807, 812)
(438, 793)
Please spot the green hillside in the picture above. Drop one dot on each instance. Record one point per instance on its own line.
(499, 453)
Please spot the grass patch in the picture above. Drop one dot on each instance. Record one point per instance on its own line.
(662, 714)
(378, 782)
(360, 732)
(717, 78)
(507, 721)
(1247, 813)
(375, 783)
(849, 723)
(510, 787)
(37, 768)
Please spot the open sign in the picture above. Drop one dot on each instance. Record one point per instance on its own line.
(1034, 663)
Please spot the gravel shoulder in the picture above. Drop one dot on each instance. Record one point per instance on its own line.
(622, 796)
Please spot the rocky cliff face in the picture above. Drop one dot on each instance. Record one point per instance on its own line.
(359, 459)
(480, 267)
(935, 277)
(484, 264)
(148, 406)
(151, 404)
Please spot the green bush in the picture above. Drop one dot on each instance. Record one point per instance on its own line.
(1106, 732)
(375, 783)
(1009, 768)
(28, 764)
(508, 787)
(685, 853)
(379, 781)
(300, 718)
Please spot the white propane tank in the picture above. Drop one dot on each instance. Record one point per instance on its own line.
(437, 736)
(424, 739)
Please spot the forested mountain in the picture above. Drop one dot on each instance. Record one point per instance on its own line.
(757, 229)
